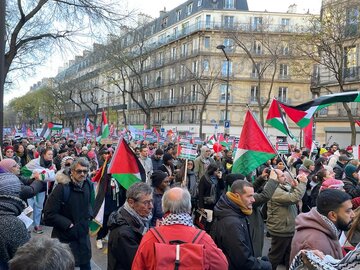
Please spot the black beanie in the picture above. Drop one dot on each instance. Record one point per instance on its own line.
(157, 177)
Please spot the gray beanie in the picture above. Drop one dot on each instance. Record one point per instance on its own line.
(9, 184)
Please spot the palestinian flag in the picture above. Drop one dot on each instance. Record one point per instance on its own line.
(276, 119)
(302, 114)
(254, 147)
(55, 126)
(125, 167)
(104, 132)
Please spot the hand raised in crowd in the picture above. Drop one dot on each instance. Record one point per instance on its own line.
(265, 174)
(37, 176)
(302, 178)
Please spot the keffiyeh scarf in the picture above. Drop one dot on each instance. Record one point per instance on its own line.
(183, 219)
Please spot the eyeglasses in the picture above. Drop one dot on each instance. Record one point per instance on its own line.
(146, 203)
(67, 164)
(81, 171)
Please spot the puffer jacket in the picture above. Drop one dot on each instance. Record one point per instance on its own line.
(13, 232)
(315, 232)
(124, 239)
(282, 210)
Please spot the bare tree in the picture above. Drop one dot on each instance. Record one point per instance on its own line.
(331, 43)
(263, 49)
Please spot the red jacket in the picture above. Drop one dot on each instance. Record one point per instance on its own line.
(145, 256)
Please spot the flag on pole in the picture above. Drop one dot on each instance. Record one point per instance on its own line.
(89, 127)
(125, 167)
(276, 119)
(308, 135)
(254, 147)
(104, 132)
(55, 126)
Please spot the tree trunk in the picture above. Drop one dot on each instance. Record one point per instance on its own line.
(201, 119)
(352, 123)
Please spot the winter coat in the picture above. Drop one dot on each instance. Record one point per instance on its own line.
(145, 255)
(339, 170)
(313, 232)
(282, 210)
(352, 187)
(77, 210)
(205, 188)
(256, 220)
(124, 239)
(156, 163)
(200, 168)
(231, 234)
(157, 212)
(13, 232)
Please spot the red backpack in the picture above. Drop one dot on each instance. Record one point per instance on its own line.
(177, 254)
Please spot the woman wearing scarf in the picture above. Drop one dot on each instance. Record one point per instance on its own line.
(211, 186)
(45, 167)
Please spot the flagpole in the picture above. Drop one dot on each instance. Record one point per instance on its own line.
(267, 137)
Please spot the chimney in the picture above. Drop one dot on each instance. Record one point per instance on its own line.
(292, 8)
(163, 12)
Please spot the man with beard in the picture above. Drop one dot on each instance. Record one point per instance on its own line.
(321, 227)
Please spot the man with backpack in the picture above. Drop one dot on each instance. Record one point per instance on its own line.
(176, 243)
(68, 209)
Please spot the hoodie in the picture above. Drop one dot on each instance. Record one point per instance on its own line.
(315, 231)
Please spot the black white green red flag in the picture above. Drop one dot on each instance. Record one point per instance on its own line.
(125, 167)
(302, 114)
(276, 118)
(254, 147)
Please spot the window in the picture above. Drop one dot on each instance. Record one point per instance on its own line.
(257, 22)
(172, 76)
(184, 49)
(229, 44)
(161, 58)
(195, 45)
(285, 48)
(181, 116)
(282, 95)
(222, 115)
(253, 93)
(171, 117)
(352, 21)
(157, 97)
(146, 80)
(173, 53)
(182, 71)
(178, 15)
(159, 78)
(189, 9)
(223, 93)
(194, 67)
(182, 93)
(255, 70)
(208, 21)
(207, 42)
(350, 62)
(199, 3)
(284, 71)
(198, 22)
(229, 4)
(285, 22)
(193, 93)
(171, 96)
(224, 68)
(229, 21)
(185, 28)
(164, 22)
(175, 31)
(257, 47)
(206, 65)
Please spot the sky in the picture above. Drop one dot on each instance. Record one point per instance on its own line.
(152, 7)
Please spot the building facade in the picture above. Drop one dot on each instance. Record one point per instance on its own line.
(181, 77)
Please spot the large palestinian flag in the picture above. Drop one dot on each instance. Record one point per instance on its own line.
(302, 114)
(276, 118)
(125, 167)
(104, 132)
(254, 147)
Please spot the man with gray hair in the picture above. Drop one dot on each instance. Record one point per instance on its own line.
(43, 253)
(128, 225)
(177, 224)
(68, 209)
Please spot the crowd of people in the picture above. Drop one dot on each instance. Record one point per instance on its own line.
(302, 201)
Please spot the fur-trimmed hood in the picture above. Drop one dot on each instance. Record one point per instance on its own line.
(63, 176)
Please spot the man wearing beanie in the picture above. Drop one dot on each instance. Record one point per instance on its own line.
(231, 215)
(13, 233)
(340, 166)
(351, 181)
(160, 182)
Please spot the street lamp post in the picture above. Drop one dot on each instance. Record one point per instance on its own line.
(222, 47)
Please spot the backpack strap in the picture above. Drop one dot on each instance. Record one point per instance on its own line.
(66, 194)
(198, 236)
(158, 235)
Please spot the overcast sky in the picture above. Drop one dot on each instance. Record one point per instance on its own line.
(152, 7)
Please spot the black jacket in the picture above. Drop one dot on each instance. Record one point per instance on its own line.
(352, 187)
(124, 239)
(231, 234)
(205, 189)
(77, 210)
(339, 170)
